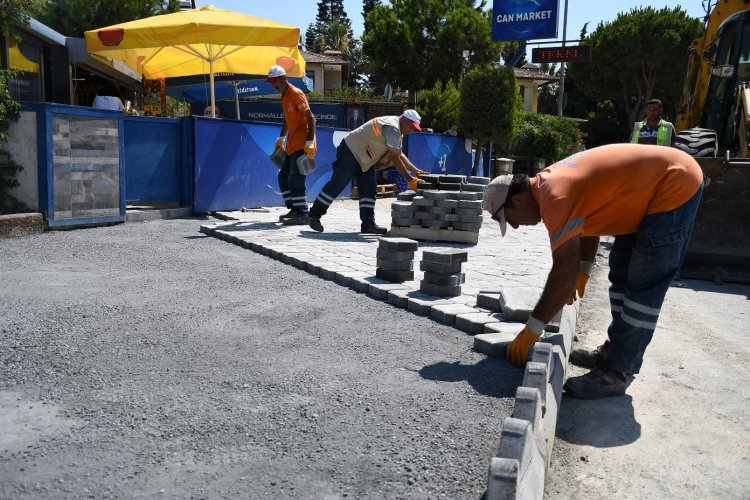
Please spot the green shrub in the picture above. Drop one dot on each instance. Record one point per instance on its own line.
(549, 137)
(440, 107)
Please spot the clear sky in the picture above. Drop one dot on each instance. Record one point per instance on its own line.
(300, 13)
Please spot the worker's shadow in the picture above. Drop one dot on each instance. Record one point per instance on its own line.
(603, 423)
(489, 377)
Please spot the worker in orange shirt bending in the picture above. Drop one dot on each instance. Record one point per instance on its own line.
(647, 198)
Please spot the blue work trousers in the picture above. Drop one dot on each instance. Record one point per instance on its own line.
(345, 168)
(292, 184)
(641, 268)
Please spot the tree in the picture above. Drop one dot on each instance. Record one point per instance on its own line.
(415, 43)
(332, 29)
(74, 17)
(12, 15)
(367, 7)
(640, 55)
(489, 103)
(440, 107)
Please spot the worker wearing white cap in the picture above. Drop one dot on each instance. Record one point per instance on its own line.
(377, 142)
(644, 196)
(299, 131)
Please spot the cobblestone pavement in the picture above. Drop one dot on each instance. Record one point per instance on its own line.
(521, 259)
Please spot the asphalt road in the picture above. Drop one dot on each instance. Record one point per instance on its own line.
(148, 360)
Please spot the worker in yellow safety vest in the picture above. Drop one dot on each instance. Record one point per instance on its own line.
(654, 129)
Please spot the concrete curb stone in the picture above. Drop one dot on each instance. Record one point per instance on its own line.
(15, 225)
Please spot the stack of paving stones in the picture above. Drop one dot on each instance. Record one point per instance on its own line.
(395, 259)
(441, 202)
(442, 272)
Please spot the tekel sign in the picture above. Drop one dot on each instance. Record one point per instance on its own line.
(524, 19)
(578, 53)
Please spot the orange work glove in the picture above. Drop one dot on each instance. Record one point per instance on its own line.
(279, 143)
(518, 350)
(310, 149)
(583, 278)
(413, 183)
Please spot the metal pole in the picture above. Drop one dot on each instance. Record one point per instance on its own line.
(561, 90)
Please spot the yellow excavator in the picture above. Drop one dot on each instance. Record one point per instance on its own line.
(713, 124)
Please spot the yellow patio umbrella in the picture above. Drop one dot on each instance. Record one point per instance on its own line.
(198, 42)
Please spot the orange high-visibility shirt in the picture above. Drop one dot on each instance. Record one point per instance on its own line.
(609, 189)
(294, 103)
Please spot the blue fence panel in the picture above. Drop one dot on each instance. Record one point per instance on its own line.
(158, 167)
(440, 154)
(326, 114)
(233, 168)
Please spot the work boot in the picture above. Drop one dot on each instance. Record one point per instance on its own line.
(372, 228)
(296, 219)
(286, 216)
(598, 383)
(314, 223)
(589, 358)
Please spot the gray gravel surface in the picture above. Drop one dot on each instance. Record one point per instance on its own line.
(148, 360)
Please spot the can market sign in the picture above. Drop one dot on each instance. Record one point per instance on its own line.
(524, 19)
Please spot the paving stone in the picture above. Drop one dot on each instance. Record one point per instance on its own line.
(466, 195)
(473, 323)
(421, 304)
(518, 302)
(437, 224)
(448, 256)
(394, 276)
(406, 195)
(440, 290)
(395, 265)
(424, 186)
(450, 186)
(329, 272)
(400, 207)
(344, 278)
(454, 279)
(494, 344)
(379, 291)
(490, 300)
(452, 178)
(436, 195)
(437, 268)
(475, 204)
(478, 180)
(424, 215)
(440, 210)
(509, 327)
(467, 226)
(421, 201)
(468, 212)
(447, 203)
(476, 188)
(390, 244)
(382, 253)
(399, 298)
(403, 221)
(446, 313)
(471, 219)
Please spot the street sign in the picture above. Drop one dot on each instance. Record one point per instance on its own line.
(579, 53)
(524, 19)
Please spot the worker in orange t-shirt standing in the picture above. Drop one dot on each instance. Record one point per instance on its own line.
(647, 198)
(299, 131)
